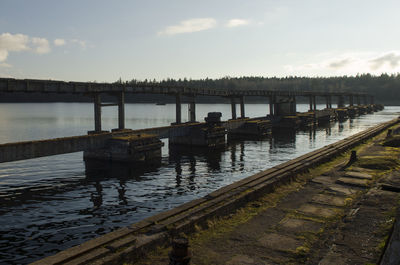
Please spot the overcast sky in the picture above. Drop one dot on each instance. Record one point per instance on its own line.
(105, 40)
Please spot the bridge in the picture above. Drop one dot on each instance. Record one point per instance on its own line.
(281, 103)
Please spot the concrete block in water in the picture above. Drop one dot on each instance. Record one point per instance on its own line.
(129, 148)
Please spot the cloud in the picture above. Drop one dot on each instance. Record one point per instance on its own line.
(41, 45)
(339, 64)
(236, 22)
(20, 42)
(347, 64)
(189, 26)
(79, 42)
(59, 42)
(392, 59)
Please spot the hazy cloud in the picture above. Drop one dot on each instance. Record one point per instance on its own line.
(392, 59)
(59, 42)
(41, 45)
(79, 42)
(350, 63)
(236, 22)
(340, 63)
(188, 26)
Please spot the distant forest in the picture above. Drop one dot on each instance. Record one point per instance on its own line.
(385, 88)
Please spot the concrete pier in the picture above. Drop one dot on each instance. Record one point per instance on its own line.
(132, 148)
(128, 244)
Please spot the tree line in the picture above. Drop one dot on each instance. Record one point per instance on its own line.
(385, 88)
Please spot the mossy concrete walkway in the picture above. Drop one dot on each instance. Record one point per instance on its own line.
(333, 214)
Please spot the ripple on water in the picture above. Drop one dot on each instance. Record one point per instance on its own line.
(53, 203)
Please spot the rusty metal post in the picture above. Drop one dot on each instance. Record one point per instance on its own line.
(180, 254)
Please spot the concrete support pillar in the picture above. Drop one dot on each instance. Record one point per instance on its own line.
(358, 100)
(178, 108)
(365, 100)
(311, 103)
(97, 112)
(328, 102)
(233, 107)
(293, 104)
(372, 100)
(192, 110)
(242, 113)
(121, 111)
(340, 103)
(351, 100)
(314, 102)
(271, 105)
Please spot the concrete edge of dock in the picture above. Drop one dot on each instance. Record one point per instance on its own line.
(130, 243)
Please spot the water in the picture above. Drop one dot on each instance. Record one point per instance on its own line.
(52, 203)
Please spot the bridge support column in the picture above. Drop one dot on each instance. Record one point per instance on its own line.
(328, 102)
(311, 103)
(233, 108)
(372, 100)
(351, 100)
(178, 108)
(97, 113)
(340, 103)
(293, 105)
(121, 111)
(242, 113)
(192, 110)
(314, 102)
(271, 105)
(358, 100)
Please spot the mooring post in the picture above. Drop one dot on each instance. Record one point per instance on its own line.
(233, 108)
(178, 108)
(192, 109)
(242, 114)
(97, 112)
(121, 110)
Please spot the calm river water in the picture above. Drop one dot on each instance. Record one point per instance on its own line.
(52, 203)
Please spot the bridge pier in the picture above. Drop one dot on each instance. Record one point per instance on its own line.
(97, 113)
(242, 113)
(328, 102)
(178, 109)
(340, 103)
(192, 109)
(351, 102)
(272, 102)
(121, 111)
(233, 108)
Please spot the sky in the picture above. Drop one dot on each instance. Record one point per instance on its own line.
(102, 41)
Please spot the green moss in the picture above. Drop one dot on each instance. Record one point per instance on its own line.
(377, 162)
